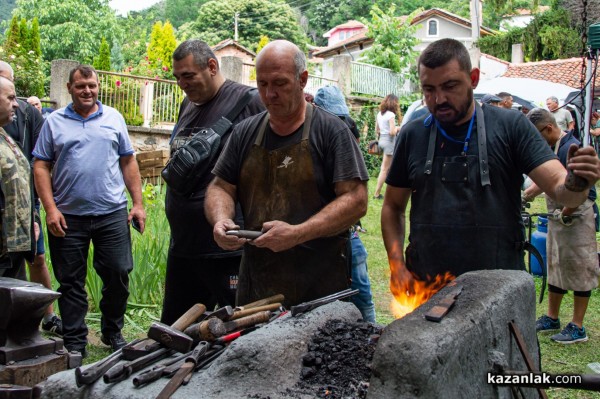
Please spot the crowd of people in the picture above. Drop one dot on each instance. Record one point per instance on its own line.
(290, 167)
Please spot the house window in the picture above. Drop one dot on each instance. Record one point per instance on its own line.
(342, 35)
(432, 27)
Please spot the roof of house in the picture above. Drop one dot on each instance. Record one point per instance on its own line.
(566, 71)
(526, 12)
(491, 57)
(361, 38)
(348, 25)
(449, 16)
(230, 42)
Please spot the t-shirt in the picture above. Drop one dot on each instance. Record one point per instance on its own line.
(335, 153)
(86, 177)
(27, 120)
(383, 121)
(563, 118)
(514, 148)
(191, 234)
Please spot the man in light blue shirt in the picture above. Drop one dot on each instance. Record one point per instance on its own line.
(83, 162)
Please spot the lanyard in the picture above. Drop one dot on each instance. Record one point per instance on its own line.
(467, 139)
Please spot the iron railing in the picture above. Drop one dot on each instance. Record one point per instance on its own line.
(372, 80)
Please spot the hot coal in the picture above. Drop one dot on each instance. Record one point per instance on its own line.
(338, 360)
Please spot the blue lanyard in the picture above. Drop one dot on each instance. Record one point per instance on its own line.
(467, 139)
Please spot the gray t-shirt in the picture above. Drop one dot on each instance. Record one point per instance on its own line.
(563, 118)
(86, 176)
(334, 151)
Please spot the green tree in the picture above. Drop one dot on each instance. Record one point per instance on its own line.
(162, 45)
(393, 40)
(13, 36)
(35, 41)
(181, 11)
(71, 28)
(116, 57)
(102, 61)
(216, 21)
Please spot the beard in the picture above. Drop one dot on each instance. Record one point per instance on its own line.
(446, 118)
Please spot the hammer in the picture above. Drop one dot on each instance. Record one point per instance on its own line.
(172, 336)
(211, 329)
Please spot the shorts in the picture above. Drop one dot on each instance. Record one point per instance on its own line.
(387, 144)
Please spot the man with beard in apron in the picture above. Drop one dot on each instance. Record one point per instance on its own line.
(300, 178)
(462, 169)
(571, 243)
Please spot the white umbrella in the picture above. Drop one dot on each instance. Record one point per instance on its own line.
(534, 90)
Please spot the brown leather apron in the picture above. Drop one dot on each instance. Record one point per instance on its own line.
(281, 185)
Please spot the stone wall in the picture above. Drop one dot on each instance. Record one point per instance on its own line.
(148, 139)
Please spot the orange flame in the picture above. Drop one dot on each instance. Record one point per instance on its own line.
(410, 292)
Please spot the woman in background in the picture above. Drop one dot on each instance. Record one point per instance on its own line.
(386, 130)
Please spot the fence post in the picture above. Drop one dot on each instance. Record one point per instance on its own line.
(59, 76)
(232, 67)
(342, 72)
(146, 101)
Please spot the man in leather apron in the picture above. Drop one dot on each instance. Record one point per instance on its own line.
(571, 244)
(294, 183)
(462, 169)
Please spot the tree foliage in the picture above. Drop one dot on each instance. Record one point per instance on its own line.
(182, 11)
(102, 61)
(21, 51)
(162, 45)
(256, 17)
(71, 28)
(549, 36)
(393, 40)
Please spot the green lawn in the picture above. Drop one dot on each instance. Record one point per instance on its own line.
(150, 258)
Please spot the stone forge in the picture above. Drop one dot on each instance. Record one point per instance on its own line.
(416, 358)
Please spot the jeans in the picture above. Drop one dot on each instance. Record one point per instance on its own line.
(210, 281)
(360, 280)
(112, 261)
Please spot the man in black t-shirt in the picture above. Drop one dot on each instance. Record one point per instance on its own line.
(299, 176)
(462, 168)
(198, 271)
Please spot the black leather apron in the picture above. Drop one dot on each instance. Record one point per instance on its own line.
(458, 224)
(281, 185)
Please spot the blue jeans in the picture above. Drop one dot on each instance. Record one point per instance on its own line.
(360, 280)
(112, 261)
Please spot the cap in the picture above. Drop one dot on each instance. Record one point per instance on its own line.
(490, 98)
(331, 99)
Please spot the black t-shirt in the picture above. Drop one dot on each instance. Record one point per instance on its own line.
(191, 234)
(514, 148)
(335, 153)
(27, 120)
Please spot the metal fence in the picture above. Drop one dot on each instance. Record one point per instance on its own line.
(313, 84)
(142, 101)
(372, 80)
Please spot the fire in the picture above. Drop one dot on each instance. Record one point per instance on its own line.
(409, 293)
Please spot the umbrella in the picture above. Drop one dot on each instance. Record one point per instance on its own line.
(534, 90)
(516, 99)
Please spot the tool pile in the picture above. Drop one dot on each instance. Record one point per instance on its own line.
(190, 344)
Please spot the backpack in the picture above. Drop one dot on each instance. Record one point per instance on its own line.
(190, 163)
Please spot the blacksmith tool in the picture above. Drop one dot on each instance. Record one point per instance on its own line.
(172, 336)
(308, 306)
(93, 373)
(442, 308)
(187, 368)
(249, 234)
(238, 314)
(516, 333)
(211, 329)
(122, 371)
(279, 298)
(158, 370)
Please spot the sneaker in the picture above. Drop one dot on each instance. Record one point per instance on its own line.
(570, 334)
(546, 323)
(54, 326)
(115, 341)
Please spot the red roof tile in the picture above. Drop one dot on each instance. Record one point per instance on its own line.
(567, 71)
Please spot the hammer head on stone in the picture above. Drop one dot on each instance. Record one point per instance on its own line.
(170, 337)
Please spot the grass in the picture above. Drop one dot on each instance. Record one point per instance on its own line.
(147, 281)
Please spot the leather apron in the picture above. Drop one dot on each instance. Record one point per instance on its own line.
(458, 224)
(281, 185)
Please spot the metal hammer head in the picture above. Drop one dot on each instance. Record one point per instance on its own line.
(170, 337)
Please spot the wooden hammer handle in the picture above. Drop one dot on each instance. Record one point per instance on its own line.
(247, 312)
(189, 317)
(266, 301)
(248, 321)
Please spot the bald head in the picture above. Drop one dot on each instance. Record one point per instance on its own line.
(36, 102)
(282, 49)
(8, 101)
(7, 71)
